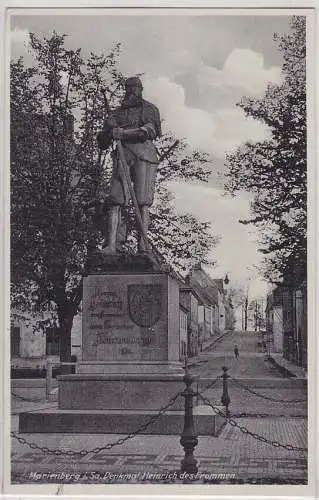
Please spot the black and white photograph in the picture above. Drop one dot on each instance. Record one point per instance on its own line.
(161, 313)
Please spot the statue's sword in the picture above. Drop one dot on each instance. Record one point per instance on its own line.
(127, 176)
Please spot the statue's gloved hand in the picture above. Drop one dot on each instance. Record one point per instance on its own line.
(118, 133)
(149, 130)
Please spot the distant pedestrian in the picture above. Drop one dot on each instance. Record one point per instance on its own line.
(236, 351)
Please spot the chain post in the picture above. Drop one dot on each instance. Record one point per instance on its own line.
(188, 437)
(225, 399)
(48, 380)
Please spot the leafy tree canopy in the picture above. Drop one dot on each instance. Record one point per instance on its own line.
(275, 170)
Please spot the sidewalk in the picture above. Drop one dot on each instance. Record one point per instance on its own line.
(295, 370)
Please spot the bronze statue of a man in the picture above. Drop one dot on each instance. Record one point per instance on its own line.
(136, 123)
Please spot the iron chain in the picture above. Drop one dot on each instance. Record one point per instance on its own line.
(292, 401)
(27, 399)
(256, 436)
(83, 453)
(264, 415)
(211, 384)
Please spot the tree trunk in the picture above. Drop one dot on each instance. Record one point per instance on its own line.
(66, 315)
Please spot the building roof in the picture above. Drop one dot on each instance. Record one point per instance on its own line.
(190, 289)
(206, 288)
(220, 284)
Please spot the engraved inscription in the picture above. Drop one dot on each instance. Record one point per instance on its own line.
(104, 303)
(107, 339)
(125, 350)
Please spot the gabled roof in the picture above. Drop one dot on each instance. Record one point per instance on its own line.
(204, 285)
(190, 289)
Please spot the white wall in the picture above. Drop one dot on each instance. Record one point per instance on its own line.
(33, 344)
(215, 318)
(222, 316)
(200, 314)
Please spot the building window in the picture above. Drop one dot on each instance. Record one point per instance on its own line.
(15, 340)
(52, 341)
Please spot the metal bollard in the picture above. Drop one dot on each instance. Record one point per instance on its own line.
(188, 437)
(225, 399)
(48, 381)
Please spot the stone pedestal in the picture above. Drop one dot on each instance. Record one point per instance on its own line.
(130, 344)
(119, 391)
(207, 422)
(130, 319)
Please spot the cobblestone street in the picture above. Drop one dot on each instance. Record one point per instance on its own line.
(286, 397)
(233, 456)
(250, 364)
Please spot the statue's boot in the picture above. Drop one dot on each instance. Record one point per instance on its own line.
(145, 219)
(114, 217)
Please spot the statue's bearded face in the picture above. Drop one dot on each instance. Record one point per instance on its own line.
(133, 95)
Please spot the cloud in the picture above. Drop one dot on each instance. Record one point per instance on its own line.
(19, 42)
(233, 128)
(20, 36)
(242, 68)
(215, 132)
(195, 124)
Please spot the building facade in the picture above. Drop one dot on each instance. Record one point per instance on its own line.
(215, 312)
(274, 321)
(286, 315)
(190, 302)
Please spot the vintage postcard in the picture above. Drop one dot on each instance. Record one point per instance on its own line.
(160, 330)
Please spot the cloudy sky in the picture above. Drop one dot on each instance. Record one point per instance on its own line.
(195, 67)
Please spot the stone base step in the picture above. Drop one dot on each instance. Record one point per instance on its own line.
(207, 422)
